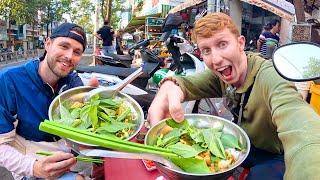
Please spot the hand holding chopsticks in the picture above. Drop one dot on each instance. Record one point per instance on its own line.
(92, 160)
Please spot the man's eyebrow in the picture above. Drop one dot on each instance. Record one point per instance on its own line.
(217, 39)
(69, 44)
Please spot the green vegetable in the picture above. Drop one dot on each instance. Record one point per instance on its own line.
(183, 150)
(115, 126)
(189, 142)
(75, 113)
(101, 140)
(171, 138)
(174, 124)
(230, 141)
(93, 114)
(109, 112)
(213, 141)
(64, 113)
(191, 165)
(104, 116)
(98, 116)
(196, 135)
(124, 114)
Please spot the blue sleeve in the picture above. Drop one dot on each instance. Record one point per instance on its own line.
(7, 104)
(75, 80)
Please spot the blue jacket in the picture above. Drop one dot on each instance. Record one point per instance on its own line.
(26, 96)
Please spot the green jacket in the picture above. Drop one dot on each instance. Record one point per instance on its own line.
(275, 117)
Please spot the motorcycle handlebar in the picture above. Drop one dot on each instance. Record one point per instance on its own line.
(143, 43)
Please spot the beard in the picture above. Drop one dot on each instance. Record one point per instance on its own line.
(53, 64)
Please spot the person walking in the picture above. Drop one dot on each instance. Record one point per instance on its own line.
(26, 92)
(269, 36)
(119, 42)
(106, 34)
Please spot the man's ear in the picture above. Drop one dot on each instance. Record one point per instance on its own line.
(48, 43)
(241, 42)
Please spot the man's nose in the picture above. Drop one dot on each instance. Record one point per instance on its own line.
(216, 57)
(68, 54)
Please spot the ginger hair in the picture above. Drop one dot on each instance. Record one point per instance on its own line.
(212, 23)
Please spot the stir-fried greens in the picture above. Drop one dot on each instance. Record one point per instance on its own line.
(102, 116)
(216, 150)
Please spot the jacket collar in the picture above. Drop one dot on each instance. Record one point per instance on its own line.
(32, 69)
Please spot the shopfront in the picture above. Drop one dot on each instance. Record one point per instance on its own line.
(249, 15)
(256, 13)
(3, 34)
(253, 19)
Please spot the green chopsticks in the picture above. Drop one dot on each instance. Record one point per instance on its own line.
(92, 160)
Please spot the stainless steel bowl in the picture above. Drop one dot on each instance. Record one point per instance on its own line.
(76, 95)
(201, 121)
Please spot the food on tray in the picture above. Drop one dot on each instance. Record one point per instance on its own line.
(217, 150)
(112, 116)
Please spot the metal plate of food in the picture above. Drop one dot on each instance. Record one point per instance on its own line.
(202, 121)
(68, 99)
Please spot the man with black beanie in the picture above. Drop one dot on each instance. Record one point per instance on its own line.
(26, 92)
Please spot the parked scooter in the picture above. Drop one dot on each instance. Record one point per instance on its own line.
(111, 69)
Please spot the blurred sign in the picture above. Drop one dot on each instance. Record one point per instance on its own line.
(283, 5)
(127, 36)
(3, 31)
(173, 2)
(153, 10)
(281, 8)
(185, 5)
(155, 2)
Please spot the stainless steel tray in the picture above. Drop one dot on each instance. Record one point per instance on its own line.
(77, 94)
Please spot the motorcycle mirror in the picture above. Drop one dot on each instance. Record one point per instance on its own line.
(298, 61)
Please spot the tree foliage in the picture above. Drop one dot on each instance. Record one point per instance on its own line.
(27, 11)
(81, 12)
(53, 10)
(312, 69)
(11, 9)
(117, 8)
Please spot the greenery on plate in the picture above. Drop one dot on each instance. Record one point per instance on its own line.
(110, 116)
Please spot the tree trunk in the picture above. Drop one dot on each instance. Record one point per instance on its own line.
(47, 29)
(108, 10)
(9, 34)
(102, 7)
(33, 41)
(299, 8)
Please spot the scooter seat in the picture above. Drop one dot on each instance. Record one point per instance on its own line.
(117, 57)
(121, 72)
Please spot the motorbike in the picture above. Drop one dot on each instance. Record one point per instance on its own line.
(299, 62)
(184, 63)
(6, 54)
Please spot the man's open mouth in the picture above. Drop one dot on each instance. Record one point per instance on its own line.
(225, 71)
